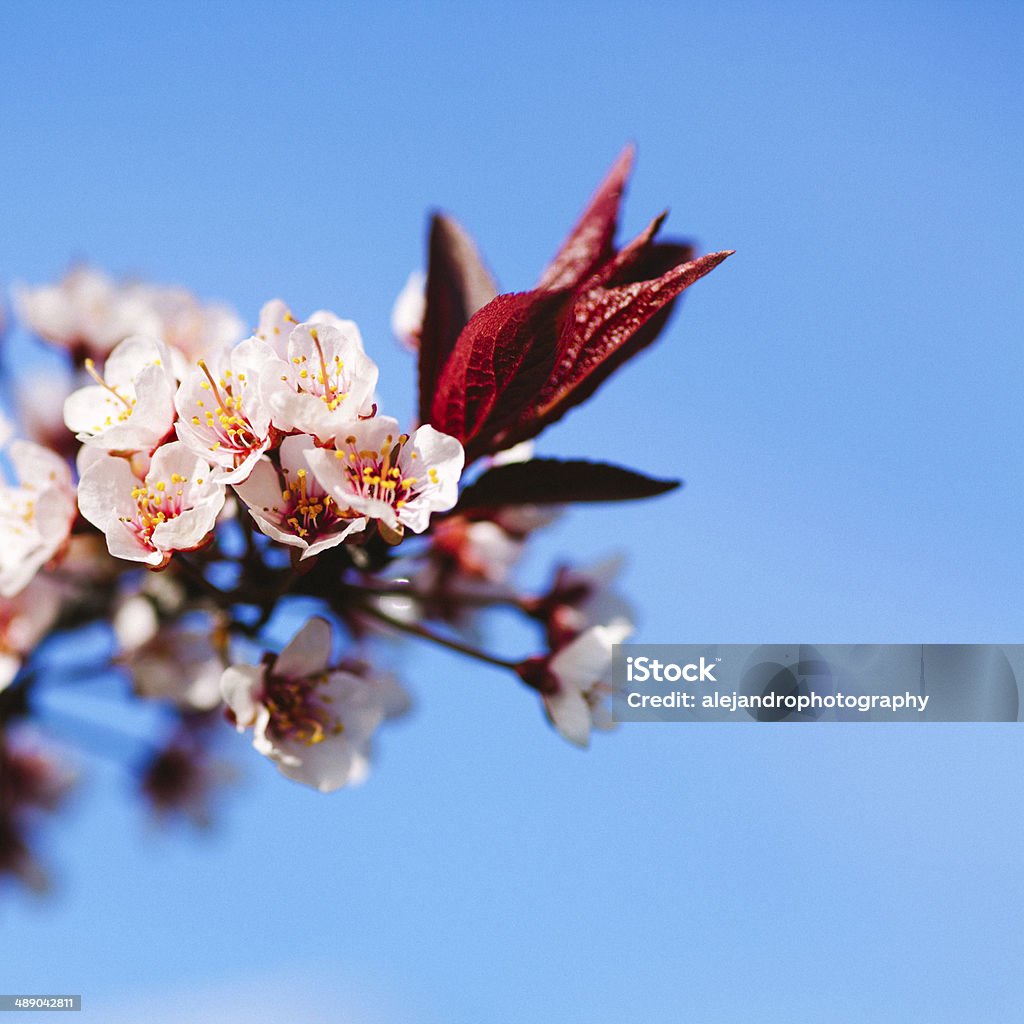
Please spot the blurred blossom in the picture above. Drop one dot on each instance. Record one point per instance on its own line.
(36, 512)
(315, 723)
(88, 313)
(575, 681)
(583, 597)
(24, 620)
(407, 312)
(178, 662)
(180, 779)
(33, 783)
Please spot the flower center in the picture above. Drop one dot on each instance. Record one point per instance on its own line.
(298, 712)
(227, 422)
(319, 382)
(155, 504)
(377, 474)
(307, 509)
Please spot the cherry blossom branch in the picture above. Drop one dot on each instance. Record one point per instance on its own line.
(425, 633)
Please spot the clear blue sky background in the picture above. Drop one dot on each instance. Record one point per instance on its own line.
(843, 398)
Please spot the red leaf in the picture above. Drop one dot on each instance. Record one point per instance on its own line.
(605, 328)
(458, 284)
(499, 364)
(557, 482)
(590, 243)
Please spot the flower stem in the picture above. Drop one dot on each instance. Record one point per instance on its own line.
(415, 629)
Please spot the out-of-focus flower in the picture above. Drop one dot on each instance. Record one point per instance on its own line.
(187, 325)
(479, 550)
(131, 407)
(407, 312)
(290, 505)
(394, 478)
(583, 597)
(36, 513)
(223, 416)
(315, 723)
(32, 782)
(173, 508)
(325, 381)
(88, 313)
(181, 777)
(575, 681)
(24, 620)
(178, 663)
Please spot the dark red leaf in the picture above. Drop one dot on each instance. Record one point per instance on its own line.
(554, 481)
(499, 364)
(591, 242)
(458, 284)
(606, 328)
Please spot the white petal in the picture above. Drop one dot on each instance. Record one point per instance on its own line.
(570, 715)
(308, 652)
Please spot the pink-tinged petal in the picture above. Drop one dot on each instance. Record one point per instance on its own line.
(591, 241)
(188, 530)
(87, 410)
(262, 488)
(354, 526)
(104, 491)
(407, 312)
(308, 652)
(276, 323)
(325, 767)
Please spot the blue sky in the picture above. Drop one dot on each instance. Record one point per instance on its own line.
(842, 397)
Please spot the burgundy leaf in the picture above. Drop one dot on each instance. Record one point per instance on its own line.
(554, 481)
(458, 284)
(499, 364)
(605, 329)
(590, 243)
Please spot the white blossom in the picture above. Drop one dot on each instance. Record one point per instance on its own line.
(36, 513)
(90, 313)
(579, 682)
(397, 479)
(178, 663)
(131, 406)
(277, 323)
(223, 417)
(173, 508)
(314, 722)
(324, 382)
(289, 504)
(24, 620)
(409, 309)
